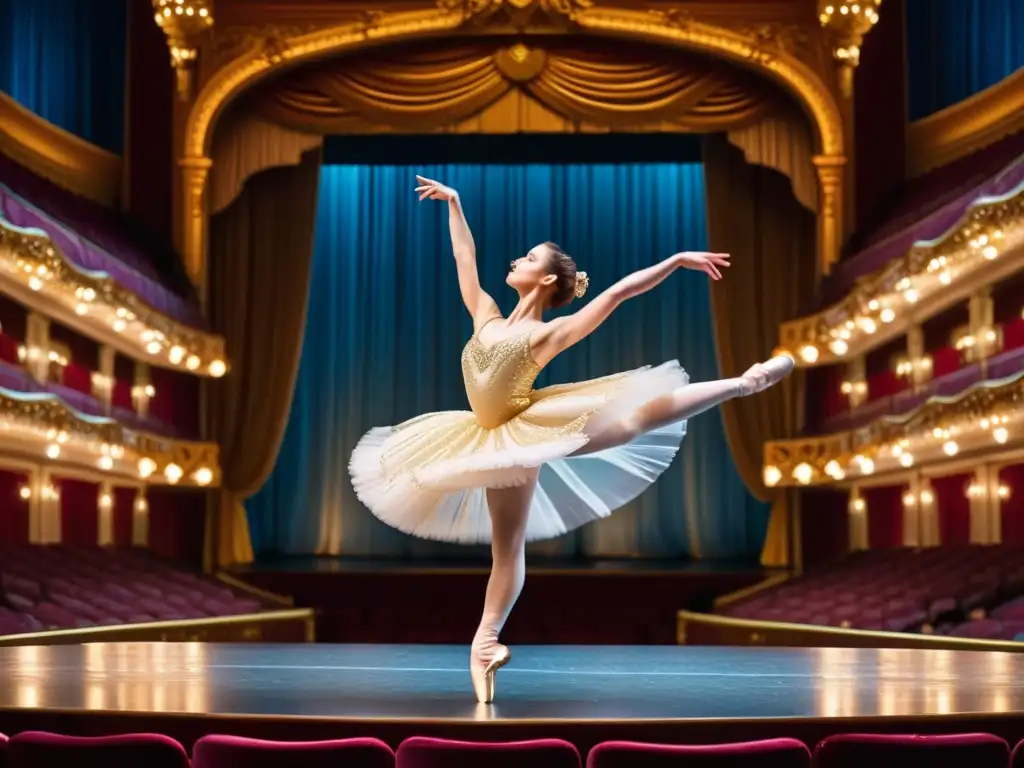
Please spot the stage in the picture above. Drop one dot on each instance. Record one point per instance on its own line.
(584, 694)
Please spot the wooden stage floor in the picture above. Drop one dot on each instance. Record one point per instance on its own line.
(584, 693)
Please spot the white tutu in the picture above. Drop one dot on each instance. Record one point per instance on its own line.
(428, 476)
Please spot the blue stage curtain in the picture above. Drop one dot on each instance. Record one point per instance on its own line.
(956, 48)
(65, 61)
(386, 329)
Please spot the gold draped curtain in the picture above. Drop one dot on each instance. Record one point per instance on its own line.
(753, 215)
(426, 89)
(261, 255)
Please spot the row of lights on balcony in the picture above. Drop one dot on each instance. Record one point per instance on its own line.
(803, 473)
(154, 341)
(51, 492)
(881, 311)
(111, 453)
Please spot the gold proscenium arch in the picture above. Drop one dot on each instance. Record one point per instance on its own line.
(762, 53)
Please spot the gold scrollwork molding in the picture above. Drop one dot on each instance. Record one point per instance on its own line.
(985, 419)
(765, 52)
(966, 127)
(55, 154)
(44, 427)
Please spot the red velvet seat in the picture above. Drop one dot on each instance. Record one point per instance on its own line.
(770, 753)
(969, 750)
(237, 752)
(422, 752)
(36, 749)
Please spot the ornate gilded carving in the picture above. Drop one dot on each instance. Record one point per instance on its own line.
(987, 417)
(519, 14)
(984, 247)
(35, 270)
(502, 16)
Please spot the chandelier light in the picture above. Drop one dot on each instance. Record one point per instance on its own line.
(183, 21)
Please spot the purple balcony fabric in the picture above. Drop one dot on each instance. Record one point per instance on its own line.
(36, 749)
(977, 750)
(236, 752)
(422, 752)
(96, 239)
(770, 753)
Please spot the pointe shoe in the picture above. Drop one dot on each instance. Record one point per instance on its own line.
(760, 376)
(485, 677)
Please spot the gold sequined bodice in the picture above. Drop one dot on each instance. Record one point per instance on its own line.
(499, 379)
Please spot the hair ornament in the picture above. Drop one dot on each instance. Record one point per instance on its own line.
(582, 283)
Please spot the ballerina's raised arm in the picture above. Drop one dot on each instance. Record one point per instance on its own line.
(478, 302)
(563, 332)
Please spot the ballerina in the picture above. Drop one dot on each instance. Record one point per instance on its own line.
(526, 464)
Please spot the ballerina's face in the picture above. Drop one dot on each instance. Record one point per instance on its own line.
(532, 270)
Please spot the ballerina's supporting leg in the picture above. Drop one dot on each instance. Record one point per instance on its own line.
(509, 509)
(689, 401)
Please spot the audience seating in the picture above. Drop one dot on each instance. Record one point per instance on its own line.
(968, 750)
(35, 749)
(770, 753)
(238, 752)
(64, 587)
(422, 752)
(933, 590)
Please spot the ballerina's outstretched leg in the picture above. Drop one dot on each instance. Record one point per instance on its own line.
(509, 509)
(688, 401)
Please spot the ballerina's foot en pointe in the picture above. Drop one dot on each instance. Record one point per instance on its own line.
(525, 464)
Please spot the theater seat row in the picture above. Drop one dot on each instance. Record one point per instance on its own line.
(47, 750)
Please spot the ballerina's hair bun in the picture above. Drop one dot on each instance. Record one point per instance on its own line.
(570, 283)
(582, 282)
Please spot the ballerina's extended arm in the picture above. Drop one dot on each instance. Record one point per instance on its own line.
(566, 331)
(477, 300)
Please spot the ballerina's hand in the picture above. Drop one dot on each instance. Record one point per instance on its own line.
(434, 190)
(704, 262)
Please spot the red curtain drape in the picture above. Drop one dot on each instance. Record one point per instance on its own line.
(13, 508)
(953, 508)
(79, 511)
(123, 513)
(1012, 509)
(176, 523)
(825, 528)
(124, 380)
(176, 400)
(885, 516)
(824, 396)
(83, 360)
(13, 320)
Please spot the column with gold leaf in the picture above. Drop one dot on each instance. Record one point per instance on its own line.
(196, 170)
(831, 171)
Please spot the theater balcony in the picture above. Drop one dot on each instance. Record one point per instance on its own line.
(953, 231)
(921, 364)
(76, 262)
(103, 346)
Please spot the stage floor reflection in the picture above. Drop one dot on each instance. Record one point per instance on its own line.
(406, 683)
